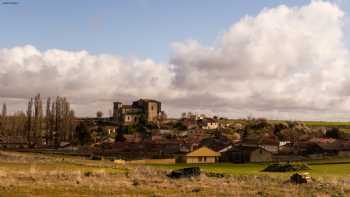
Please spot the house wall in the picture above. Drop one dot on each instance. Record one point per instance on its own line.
(153, 161)
(111, 130)
(270, 148)
(260, 155)
(315, 156)
(200, 159)
(211, 125)
(131, 119)
(344, 153)
(285, 158)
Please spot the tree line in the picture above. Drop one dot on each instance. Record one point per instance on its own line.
(36, 128)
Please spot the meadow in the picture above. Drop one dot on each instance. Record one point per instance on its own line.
(27, 174)
(319, 169)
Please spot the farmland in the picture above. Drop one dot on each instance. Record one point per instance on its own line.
(49, 175)
(307, 123)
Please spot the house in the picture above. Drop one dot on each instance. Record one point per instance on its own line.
(111, 129)
(189, 123)
(270, 147)
(184, 148)
(203, 155)
(216, 143)
(156, 137)
(267, 142)
(144, 110)
(208, 123)
(245, 154)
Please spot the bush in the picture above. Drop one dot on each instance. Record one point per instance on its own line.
(88, 173)
(334, 133)
(95, 157)
(287, 167)
(180, 126)
(82, 133)
(151, 126)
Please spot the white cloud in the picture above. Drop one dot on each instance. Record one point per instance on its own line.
(288, 59)
(79, 76)
(286, 62)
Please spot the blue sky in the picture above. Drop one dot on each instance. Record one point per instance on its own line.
(141, 28)
(289, 62)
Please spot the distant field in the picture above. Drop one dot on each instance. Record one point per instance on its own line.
(325, 124)
(307, 123)
(27, 174)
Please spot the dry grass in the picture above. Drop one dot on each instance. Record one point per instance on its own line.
(26, 175)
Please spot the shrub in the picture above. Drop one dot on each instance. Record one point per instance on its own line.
(286, 167)
(88, 173)
(95, 157)
(180, 126)
(82, 133)
(334, 133)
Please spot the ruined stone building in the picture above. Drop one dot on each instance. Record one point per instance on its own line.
(141, 110)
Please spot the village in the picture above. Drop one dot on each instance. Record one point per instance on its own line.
(142, 133)
(175, 98)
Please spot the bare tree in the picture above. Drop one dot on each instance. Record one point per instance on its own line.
(29, 121)
(4, 110)
(47, 120)
(3, 120)
(57, 125)
(53, 128)
(64, 120)
(38, 119)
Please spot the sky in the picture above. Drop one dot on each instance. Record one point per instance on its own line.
(142, 28)
(276, 59)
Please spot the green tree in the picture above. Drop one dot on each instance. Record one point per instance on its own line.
(99, 114)
(334, 133)
(82, 133)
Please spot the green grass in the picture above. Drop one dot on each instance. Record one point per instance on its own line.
(233, 169)
(331, 170)
(317, 169)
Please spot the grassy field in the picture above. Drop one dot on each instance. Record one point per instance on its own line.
(48, 175)
(327, 124)
(318, 169)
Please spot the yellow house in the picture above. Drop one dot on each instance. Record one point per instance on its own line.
(202, 155)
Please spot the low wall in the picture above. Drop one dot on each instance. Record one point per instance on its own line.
(152, 161)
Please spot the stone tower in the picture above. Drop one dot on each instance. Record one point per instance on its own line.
(117, 106)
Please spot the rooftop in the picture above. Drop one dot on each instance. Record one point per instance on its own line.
(203, 152)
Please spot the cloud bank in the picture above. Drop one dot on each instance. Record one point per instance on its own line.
(286, 62)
